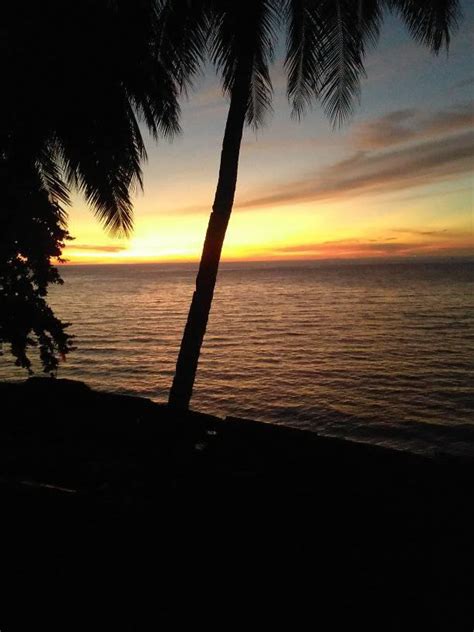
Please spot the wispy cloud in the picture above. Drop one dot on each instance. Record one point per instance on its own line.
(350, 247)
(464, 83)
(371, 248)
(444, 233)
(96, 248)
(439, 194)
(377, 172)
(408, 125)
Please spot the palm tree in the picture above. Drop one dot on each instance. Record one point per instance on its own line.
(76, 84)
(326, 44)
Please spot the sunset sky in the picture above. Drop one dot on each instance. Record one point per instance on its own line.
(395, 181)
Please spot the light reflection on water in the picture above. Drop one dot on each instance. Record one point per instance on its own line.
(376, 352)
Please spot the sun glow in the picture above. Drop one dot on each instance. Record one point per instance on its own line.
(303, 231)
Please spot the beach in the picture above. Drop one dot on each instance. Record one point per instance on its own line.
(102, 489)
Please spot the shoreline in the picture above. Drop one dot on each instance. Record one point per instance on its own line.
(380, 531)
(60, 412)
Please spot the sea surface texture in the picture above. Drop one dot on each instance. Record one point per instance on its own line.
(379, 352)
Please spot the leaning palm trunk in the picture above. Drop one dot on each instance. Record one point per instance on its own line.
(326, 45)
(188, 358)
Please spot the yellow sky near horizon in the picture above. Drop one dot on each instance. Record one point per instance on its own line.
(429, 223)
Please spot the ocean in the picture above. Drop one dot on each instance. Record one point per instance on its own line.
(376, 352)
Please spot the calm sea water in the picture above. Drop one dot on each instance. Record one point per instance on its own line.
(375, 352)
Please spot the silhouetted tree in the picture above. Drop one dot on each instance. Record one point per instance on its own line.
(77, 78)
(32, 229)
(326, 45)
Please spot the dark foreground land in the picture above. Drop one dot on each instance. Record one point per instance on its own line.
(118, 514)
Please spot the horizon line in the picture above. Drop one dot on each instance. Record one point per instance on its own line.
(373, 259)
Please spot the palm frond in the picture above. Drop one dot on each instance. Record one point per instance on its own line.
(52, 177)
(261, 90)
(326, 44)
(242, 34)
(302, 62)
(180, 45)
(157, 105)
(348, 28)
(260, 96)
(143, 61)
(102, 157)
(133, 69)
(430, 22)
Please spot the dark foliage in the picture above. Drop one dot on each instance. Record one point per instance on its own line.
(32, 232)
(77, 80)
(76, 83)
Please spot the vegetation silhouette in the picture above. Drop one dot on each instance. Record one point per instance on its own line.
(75, 86)
(32, 232)
(326, 44)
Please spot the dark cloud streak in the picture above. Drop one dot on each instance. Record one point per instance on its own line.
(94, 248)
(371, 248)
(408, 125)
(378, 173)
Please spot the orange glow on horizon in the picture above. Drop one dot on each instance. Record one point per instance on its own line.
(295, 253)
(300, 232)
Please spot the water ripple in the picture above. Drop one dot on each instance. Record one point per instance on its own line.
(380, 353)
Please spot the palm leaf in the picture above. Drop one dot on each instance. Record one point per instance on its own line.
(326, 44)
(182, 36)
(302, 62)
(52, 177)
(430, 22)
(242, 35)
(347, 30)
